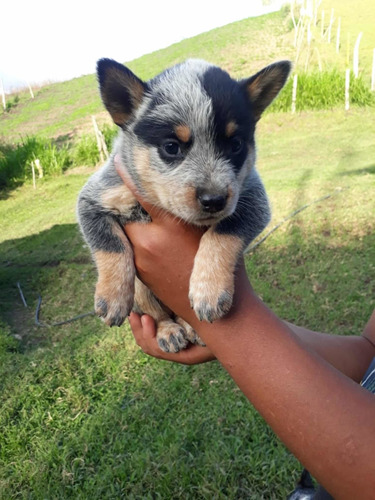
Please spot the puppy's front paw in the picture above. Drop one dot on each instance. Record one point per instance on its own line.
(210, 305)
(171, 336)
(112, 304)
(212, 280)
(210, 292)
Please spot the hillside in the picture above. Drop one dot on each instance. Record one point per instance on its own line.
(62, 110)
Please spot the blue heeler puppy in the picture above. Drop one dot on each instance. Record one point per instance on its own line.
(186, 139)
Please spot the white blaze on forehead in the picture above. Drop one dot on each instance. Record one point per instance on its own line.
(183, 97)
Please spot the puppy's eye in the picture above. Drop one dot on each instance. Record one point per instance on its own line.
(236, 145)
(171, 148)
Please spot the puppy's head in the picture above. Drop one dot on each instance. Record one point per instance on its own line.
(187, 136)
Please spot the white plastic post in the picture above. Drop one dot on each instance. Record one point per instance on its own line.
(347, 85)
(2, 93)
(102, 147)
(39, 167)
(309, 36)
(294, 94)
(33, 171)
(30, 90)
(373, 72)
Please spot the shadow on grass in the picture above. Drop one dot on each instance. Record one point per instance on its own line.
(360, 171)
(6, 192)
(38, 263)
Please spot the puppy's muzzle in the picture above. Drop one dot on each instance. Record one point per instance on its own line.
(211, 202)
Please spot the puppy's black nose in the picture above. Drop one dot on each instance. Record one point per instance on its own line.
(212, 202)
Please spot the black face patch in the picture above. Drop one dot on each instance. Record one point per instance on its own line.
(172, 150)
(232, 111)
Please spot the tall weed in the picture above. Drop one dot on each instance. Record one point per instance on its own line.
(323, 90)
(85, 151)
(16, 160)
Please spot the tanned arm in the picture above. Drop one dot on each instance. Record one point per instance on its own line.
(322, 416)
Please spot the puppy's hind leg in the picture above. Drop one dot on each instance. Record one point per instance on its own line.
(191, 334)
(171, 335)
(114, 293)
(113, 255)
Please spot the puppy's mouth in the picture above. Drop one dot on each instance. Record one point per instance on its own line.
(205, 219)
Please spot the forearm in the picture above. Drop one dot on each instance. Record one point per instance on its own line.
(351, 355)
(323, 417)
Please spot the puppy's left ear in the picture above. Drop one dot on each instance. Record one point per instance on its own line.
(263, 87)
(121, 90)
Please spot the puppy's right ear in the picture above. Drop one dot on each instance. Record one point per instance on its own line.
(121, 91)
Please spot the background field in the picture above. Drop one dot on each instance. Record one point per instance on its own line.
(83, 413)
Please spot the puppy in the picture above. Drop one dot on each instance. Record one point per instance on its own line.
(186, 138)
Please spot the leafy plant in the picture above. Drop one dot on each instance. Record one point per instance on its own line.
(85, 151)
(16, 160)
(11, 103)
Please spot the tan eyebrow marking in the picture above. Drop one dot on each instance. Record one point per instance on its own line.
(183, 132)
(230, 128)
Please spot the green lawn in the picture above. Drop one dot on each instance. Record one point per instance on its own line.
(84, 414)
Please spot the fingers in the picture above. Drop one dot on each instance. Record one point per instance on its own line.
(144, 331)
(143, 328)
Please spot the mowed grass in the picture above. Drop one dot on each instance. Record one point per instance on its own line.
(84, 414)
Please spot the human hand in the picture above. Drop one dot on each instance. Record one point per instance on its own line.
(144, 331)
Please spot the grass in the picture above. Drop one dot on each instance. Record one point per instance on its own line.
(323, 90)
(16, 159)
(84, 414)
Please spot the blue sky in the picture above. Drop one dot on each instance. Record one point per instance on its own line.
(44, 40)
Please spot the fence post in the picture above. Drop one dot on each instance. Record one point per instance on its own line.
(39, 168)
(309, 35)
(33, 171)
(30, 89)
(294, 94)
(103, 151)
(2, 94)
(373, 72)
(347, 85)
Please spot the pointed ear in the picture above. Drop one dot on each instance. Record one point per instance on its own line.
(263, 87)
(121, 91)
